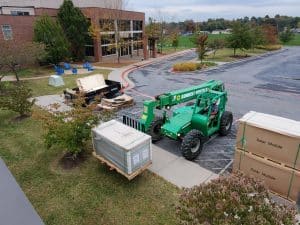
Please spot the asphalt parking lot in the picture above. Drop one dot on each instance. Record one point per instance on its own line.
(268, 84)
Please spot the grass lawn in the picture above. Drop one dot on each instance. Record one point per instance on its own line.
(225, 55)
(34, 72)
(88, 195)
(295, 41)
(40, 87)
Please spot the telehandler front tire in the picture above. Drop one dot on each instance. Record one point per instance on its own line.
(192, 144)
(226, 123)
(155, 129)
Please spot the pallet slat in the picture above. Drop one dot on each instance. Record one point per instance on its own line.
(113, 167)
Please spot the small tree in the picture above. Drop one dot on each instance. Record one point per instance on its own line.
(257, 36)
(49, 32)
(153, 31)
(200, 41)
(175, 40)
(240, 38)
(287, 35)
(75, 26)
(270, 34)
(15, 56)
(72, 129)
(233, 200)
(16, 97)
(216, 44)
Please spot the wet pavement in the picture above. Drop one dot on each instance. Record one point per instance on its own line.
(268, 84)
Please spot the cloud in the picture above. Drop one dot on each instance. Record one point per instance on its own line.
(201, 10)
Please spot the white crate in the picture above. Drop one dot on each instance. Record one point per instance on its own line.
(127, 149)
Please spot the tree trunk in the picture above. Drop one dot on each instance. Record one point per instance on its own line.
(234, 51)
(215, 54)
(14, 70)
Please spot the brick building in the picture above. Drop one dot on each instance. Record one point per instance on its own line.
(17, 18)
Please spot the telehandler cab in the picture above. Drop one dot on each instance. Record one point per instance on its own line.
(193, 123)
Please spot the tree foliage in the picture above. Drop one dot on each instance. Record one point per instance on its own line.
(200, 41)
(75, 26)
(72, 129)
(257, 36)
(50, 33)
(286, 35)
(233, 200)
(216, 44)
(15, 56)
(240, 38)
(270, 34)
(16, 97)
(174, 38)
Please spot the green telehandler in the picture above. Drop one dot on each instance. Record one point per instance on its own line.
(193, 123)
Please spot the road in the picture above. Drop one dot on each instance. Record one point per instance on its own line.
(269, 84)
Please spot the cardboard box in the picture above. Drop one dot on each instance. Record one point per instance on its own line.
(279, 179)
(273, 137)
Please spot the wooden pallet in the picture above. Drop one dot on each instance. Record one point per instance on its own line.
(113, 167)
(288, 200)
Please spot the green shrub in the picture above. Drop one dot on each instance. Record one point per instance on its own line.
(16, 97)
(269, 47)
(70, 130)
(232, 200)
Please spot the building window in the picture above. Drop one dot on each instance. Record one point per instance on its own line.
(137, 25)
(108, 50)
(107, 39)
(137, 36)
(107, 25)
(19, 13)
(124, 25)
(7, 32)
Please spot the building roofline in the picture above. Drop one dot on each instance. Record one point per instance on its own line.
(89, 7)
(17, 6)
(93, 7)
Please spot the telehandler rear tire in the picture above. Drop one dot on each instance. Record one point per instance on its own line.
(226, 123)
(155, 129)
(192, 144)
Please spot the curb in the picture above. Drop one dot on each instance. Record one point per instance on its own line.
(241, 61)
(128, 84)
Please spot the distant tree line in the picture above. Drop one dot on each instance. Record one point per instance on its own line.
(280, 22)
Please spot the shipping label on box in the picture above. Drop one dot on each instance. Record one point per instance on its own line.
(267, 143)
(282, 180)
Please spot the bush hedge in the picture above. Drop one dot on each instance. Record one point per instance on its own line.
(233, 200)
(269, 47)
(191, 66)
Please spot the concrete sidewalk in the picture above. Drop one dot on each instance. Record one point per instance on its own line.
(177, 170)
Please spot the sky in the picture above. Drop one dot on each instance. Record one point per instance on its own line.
(200, 10)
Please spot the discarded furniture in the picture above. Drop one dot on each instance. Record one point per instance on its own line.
(116, 103)
(93, 86)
